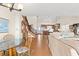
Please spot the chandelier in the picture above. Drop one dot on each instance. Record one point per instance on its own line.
(12, 6)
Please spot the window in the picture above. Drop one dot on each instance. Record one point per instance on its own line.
(3, 25)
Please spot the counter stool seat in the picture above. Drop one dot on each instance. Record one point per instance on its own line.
(22, 51)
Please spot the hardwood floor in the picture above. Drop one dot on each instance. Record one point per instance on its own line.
(40, 47)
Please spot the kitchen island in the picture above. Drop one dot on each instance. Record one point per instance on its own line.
(63, 46)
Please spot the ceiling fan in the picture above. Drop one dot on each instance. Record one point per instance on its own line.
(11, 6)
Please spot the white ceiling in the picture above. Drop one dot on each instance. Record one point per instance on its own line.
(51, 9)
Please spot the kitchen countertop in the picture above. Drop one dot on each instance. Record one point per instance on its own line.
(71, 42)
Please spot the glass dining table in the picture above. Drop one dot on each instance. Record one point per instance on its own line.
(6, 44)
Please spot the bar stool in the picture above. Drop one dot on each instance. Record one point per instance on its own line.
(22, 51)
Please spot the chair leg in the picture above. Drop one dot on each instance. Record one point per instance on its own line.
(29, 52)
(1, 53)
(14, 51)
(10, 52)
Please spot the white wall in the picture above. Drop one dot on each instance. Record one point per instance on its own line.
(12, 17)
(68, 19)
(18, 36)
(32, 21)
(36, 21)
(4, 13)
(46, 20)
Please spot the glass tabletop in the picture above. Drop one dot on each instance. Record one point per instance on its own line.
(6, 44)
